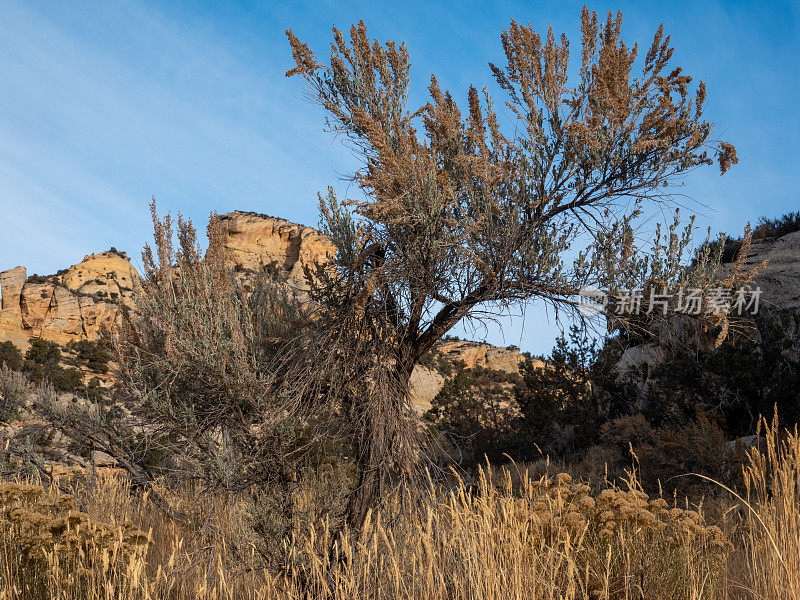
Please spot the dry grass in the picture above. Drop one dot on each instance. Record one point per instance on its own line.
(544, 538)
(771, 544)
(51, 547)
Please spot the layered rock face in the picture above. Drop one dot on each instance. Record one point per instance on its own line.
(75, 304)
(254, 241)
(11, 284)
(79, 302)
(477, 354)
(426, 382)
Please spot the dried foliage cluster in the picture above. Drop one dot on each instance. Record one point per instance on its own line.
(197, 359)
(47, 537)
(197, 396)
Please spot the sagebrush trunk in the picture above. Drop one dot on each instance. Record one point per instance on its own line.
(388, 449)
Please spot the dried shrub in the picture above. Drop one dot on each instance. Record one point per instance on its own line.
(664, 456)
(771, 505)
(46, 537)
(767, 229)
(495, 541)
(196, 362)
(197, 399)
(14, 391)
(457, 216)
(550, 534)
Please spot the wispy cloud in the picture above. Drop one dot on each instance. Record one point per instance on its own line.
(87, 135)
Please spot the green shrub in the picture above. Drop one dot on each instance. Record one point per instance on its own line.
(120, 253)
(560, 407)
(42, 363)
(10, 356)
(737, 382)
(42, 352)
(94, 391)
(35, 278)
(42, 360)
(475, 408)
(91, 355)
(67, 380)
(775, 228)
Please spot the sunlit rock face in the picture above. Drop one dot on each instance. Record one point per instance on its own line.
(780, 286)
(254, 241)
(78, 302)
(477, 354)
(74, 304)
(426, 381)
(11, 284)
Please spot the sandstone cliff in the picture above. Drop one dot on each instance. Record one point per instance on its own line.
(76, 303)
(254, 241)
(477, 354)
(427, 381)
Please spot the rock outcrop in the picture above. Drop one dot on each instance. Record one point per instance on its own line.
(478, 354)
(74, 304)
(11, 284)
(779, 306)
(427, 381)
(254, 241)
(779, 281)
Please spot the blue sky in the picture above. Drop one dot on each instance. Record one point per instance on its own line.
(103, 105)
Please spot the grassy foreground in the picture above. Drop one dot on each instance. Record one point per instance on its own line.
(545, 538)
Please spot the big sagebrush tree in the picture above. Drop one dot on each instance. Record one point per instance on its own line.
(468, 211)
